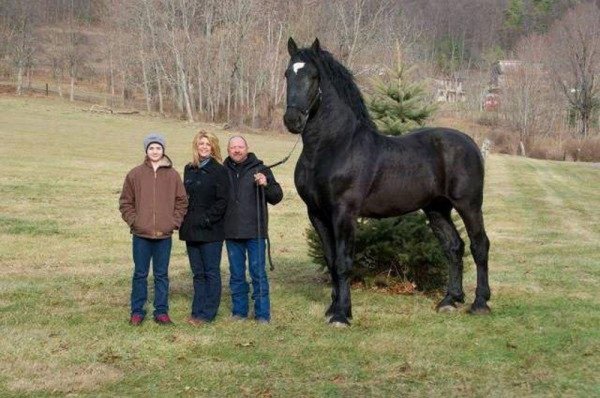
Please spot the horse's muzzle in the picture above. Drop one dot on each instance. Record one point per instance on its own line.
(294, 120)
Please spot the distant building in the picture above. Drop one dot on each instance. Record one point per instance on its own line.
(500, 74)
(501, 69)
(449, 90)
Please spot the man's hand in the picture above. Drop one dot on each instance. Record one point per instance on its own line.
(260, 179)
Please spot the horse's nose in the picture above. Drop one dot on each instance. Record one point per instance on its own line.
(293, 120)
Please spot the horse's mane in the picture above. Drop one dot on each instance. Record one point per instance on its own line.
(342, 81)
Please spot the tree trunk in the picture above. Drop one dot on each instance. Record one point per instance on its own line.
(59, 85)
(228, 101)
(522, 149)
(254, 105)
(200, 102)
(186, 98)
(160, 90)
(211, 104)
(112, 73)
(72, 89)
(585, 123)
(124, 83)
(28, 78)
(145, 81)
(20, 80)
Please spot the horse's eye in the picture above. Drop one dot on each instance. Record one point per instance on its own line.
(286, 73)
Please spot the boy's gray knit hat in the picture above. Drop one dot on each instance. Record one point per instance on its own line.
(153, 138)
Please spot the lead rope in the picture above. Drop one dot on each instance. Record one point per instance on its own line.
(282, 161)
(263, 201)
(258, 241)
(262, 205)
(261, 218)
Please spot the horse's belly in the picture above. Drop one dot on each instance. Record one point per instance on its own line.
(384, 205)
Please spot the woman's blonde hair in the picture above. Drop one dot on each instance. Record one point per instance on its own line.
(214, 144)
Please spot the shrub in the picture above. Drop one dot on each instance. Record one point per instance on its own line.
(396, 248)
(504, 142)
(583, 150)
(489, 119)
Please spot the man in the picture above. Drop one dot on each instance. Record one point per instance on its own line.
(245, 228)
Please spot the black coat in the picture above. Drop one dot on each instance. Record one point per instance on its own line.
(241, 219)
(208, 192)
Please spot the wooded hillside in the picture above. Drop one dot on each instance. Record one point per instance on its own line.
(223, 61)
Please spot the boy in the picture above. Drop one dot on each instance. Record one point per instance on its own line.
(153, 203)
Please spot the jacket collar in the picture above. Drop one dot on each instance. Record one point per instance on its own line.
(250, 162)
(212, 164)
(164, 162)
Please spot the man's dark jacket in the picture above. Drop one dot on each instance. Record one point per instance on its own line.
(241, 220)
(207, 188)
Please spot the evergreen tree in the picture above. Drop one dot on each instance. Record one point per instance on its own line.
(399, 105)
(515, 15)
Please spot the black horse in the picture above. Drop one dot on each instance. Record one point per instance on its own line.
(347, 169)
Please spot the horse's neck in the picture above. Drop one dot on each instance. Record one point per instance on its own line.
(334, 126)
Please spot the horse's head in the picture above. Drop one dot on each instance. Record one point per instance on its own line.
(303, 92)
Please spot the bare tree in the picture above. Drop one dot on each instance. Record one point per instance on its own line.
(574, 58)
(20, 37)
(529, 101)
(74, 53)
(176, 24)
(359, 21)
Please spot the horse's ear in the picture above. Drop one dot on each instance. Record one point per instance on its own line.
(316, 46)
(292, 47)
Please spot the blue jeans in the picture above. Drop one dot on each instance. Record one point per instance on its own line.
(236, 252)
(205, 261)
(159, 251)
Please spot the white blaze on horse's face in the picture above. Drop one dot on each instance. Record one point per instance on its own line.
(297, 66)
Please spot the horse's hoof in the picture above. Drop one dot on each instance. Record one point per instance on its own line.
(339, 324)
(480, 310)
(446, 308)
(339, 321)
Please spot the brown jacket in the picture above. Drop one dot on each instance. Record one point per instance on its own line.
(153, 203)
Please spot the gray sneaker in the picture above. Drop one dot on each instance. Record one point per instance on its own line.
(238, 318)
(263, 321)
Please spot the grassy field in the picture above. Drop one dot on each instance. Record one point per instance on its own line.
(66, 268)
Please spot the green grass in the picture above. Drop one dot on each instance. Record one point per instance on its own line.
(65, 257)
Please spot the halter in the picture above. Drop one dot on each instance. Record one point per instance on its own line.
(314, 102)
(311, 106)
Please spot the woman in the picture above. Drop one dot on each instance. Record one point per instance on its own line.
(207, 187)
(152, 203)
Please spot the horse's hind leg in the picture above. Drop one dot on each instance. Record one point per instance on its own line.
(454, 248)
(480, 246)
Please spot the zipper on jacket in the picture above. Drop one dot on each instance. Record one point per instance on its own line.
(154, 206)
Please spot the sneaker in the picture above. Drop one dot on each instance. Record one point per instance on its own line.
(136, 320)
(195, 321)
(163, 319)
(239, 318)
(262, 321)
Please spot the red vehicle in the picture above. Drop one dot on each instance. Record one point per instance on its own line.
(491, 102)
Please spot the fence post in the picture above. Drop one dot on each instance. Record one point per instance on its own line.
(46, 89)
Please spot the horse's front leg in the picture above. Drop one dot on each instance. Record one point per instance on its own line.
(344, 226)
(323, 228)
